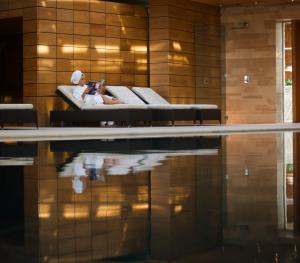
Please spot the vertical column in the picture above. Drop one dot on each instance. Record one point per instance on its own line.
(208, 55)
(296, 75)
(159, 47)
(46, 58)
(296, 118)
(296, 182)
(30, 51)
(182, 51)
(185, 64)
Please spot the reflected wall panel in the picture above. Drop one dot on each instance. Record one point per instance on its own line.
(108, 219)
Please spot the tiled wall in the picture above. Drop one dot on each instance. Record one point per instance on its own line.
(109, 40)
(252, 51)
(104, 39)
(185, 51)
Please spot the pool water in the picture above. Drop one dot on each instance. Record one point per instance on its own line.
(202, 199)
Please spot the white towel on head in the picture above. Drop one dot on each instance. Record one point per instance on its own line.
(76, 76)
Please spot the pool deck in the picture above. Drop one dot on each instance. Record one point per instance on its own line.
(49, 134)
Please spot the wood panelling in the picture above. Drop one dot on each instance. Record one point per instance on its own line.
(109, 40)
(103, 39)
(185, 51)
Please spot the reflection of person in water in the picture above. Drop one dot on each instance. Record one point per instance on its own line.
(79, 175)
(93, 164)
(96, 174)
(96, 166)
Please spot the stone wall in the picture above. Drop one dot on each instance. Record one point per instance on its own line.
(250, 49)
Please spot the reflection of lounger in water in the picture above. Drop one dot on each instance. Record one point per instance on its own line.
(16, 161)
(96, 165)
(124, 163)
(149, 161)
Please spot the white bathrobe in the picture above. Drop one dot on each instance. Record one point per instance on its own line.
(88, 99)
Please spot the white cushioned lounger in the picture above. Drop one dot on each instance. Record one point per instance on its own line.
(152, 97)
(68, 92)
(123, 113)
(203, 111)
(127, 96)
(160, 111)
(10, 106)
(17, 113)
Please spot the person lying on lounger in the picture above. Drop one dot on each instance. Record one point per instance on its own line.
(82, 91)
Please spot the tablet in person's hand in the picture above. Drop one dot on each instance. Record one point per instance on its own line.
(94, 85)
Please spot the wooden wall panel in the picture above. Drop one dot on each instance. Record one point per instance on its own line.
(103, 39)
(109, 40)
(185, 51)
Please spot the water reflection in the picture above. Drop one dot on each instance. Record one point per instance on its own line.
(98, 165)
(17, 153)
(189, 200)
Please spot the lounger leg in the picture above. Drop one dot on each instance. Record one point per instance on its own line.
(36, 120)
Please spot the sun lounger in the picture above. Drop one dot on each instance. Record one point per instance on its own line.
(17, 113)
(203, 111)
(85, 113)
(160, 112)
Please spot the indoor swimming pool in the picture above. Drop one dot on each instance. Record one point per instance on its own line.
(200, 199)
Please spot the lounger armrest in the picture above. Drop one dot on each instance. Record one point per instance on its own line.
(66, 93)
(10, 106)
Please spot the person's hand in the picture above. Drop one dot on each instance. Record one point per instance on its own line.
(101, 89)
(87, 90)
(117, 101)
